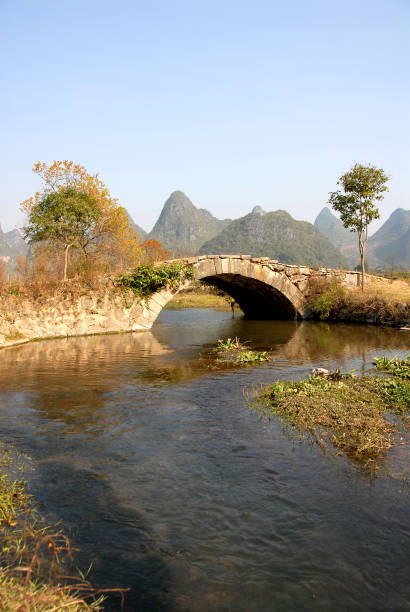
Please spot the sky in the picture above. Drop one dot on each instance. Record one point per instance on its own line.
(236, 103)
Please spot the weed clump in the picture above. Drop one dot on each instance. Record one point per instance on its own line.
(234, 351)
(341, 410)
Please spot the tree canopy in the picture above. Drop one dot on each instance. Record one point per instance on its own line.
(362, 187)
(66, 219)
(108, 235)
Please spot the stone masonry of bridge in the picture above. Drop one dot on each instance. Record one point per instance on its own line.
(263, 288)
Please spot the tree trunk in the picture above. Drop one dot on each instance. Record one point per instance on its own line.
(362, 263)
(66, 247)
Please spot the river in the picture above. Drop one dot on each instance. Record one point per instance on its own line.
(146, 451)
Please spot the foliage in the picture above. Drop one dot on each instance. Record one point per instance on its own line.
(236, 352)
(147, 279)
(328, 301)
(396, 366)
(66, 218)
(249, 356)
(345, 411)
(278, 236)
(152, 251)
(112, 239)
(229, 344)
(362, 187)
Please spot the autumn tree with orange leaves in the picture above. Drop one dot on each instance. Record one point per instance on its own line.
(109, 238)
(152, 251)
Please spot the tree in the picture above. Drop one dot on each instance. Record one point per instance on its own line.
(65, 218)
(111, 235)
(152, 251)
(362, 187)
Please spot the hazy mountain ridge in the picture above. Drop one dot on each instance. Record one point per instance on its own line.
(12, 245)
(390, 245)
(276, 235)
(141, 233)
(182, 228)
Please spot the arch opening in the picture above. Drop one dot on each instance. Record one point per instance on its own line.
(257, 299)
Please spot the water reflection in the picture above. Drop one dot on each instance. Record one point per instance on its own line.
(166, 480)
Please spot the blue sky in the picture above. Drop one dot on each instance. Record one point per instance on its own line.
(236, 103)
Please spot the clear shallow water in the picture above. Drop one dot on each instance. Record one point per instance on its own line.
(173, 487)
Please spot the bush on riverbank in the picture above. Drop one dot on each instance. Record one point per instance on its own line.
(331, 301)
(34, 559)
(344, 411)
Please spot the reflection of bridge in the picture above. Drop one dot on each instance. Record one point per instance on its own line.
(263, 288)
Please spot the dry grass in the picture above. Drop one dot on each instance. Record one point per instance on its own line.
(37, 570)
(200, 299)
(397, 290)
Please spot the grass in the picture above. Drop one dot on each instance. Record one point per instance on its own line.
(34, 559)
(199, 299)
(342, 410)
(396, 290)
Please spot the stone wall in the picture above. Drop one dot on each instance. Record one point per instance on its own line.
(22, 319)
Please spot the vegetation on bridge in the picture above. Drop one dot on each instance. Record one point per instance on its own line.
(145, 280)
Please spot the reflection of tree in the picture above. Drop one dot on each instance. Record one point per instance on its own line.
(315, 340)
(71, 381)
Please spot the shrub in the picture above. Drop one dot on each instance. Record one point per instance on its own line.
(147, 279)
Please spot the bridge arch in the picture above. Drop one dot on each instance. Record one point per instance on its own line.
(261, 291)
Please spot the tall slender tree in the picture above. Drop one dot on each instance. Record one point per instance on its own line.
(362, 187)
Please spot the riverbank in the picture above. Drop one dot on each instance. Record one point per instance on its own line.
(381, 303)
(33, 557)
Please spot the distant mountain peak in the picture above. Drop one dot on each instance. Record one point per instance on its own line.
(182, 227)
(276, 235)
(258, 210)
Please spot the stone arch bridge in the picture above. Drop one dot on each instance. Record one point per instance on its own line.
(263, 287)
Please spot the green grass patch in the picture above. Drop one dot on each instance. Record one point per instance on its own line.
(343, 411)
(234, 351)
(398, 367)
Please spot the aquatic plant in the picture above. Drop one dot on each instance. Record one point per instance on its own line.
(252, 356)
(230, 344)
(396, 366)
